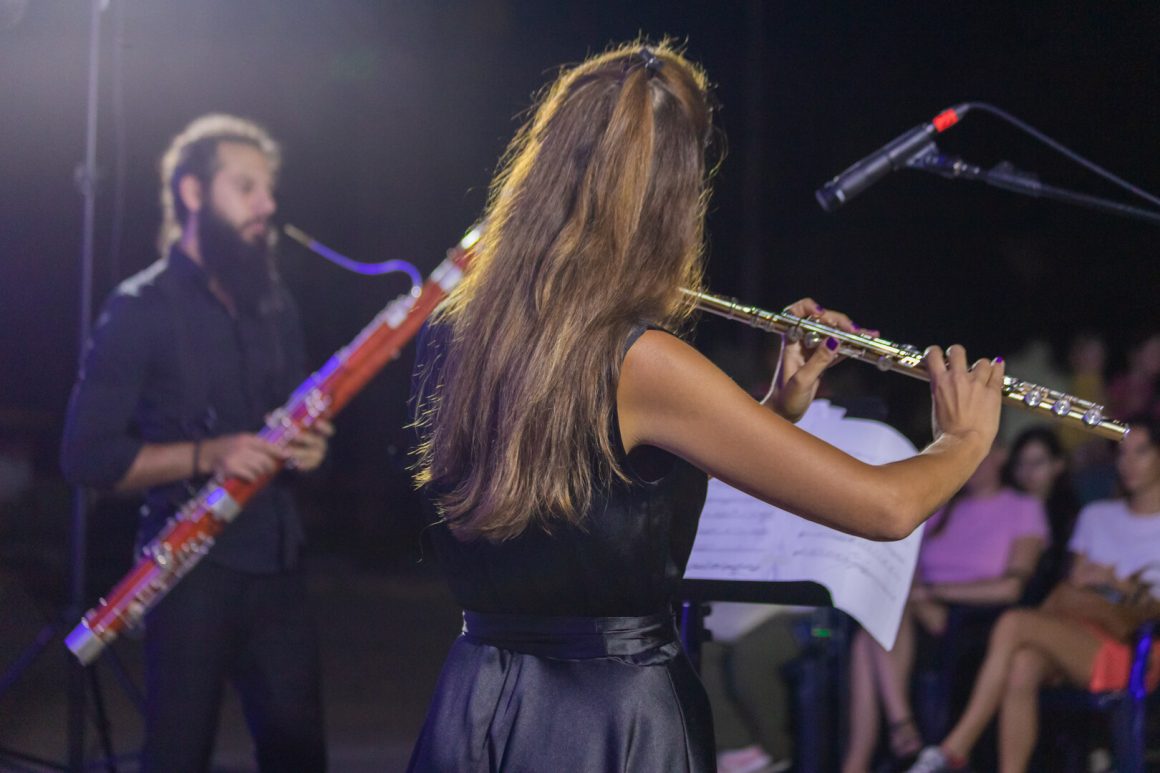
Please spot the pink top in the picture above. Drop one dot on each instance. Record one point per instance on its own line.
(976, 543)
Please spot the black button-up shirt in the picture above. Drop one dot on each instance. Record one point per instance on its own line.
(168, 362)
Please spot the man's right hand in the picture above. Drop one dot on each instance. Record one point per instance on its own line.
(244, 455)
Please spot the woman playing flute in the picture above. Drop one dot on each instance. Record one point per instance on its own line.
(567, 433)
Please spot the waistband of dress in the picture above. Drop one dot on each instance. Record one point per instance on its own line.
(570, 638)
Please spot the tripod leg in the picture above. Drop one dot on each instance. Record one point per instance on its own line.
(102, 720)
(76, 715)
(25, 659)
(128, 686)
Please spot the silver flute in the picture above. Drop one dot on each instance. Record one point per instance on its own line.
(907, 360)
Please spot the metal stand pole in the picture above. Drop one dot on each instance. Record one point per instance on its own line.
(79, 678)
(87, 180)
(754, 213)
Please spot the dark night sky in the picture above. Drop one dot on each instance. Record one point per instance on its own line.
(393, 115)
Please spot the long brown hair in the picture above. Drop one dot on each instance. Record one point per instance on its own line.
(594, 223)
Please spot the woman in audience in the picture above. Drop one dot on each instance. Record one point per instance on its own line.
(980, 550)
(1038, 466)
(1134, 392)
(1081, 635)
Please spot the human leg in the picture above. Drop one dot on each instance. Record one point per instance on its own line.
(893, 671)
(864, 713)
(188, 644)
(730, 728)
(278, 675)
(1065, 645)
(1019, 711)
(758, 684)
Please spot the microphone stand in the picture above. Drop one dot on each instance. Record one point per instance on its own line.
(1004, 175)
(80, 680)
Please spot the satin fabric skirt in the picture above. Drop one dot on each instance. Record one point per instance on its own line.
(584, 694)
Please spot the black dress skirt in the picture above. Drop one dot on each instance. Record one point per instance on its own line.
(569, 658)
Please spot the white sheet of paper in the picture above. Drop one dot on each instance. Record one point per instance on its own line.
(744, 539)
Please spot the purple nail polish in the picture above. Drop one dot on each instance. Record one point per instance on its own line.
(998, 360)
(832, 344)
(820, 310)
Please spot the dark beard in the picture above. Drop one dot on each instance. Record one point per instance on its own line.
(243, 270)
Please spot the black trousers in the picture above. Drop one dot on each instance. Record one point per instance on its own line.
(252, 630)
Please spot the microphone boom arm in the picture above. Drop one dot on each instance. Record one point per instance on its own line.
(1007, 177)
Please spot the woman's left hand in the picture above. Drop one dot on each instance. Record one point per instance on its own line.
(799, 370)
(1139, 594)
(308, 449)
(921, 593)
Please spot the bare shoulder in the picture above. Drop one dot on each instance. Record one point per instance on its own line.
(657, 353)
(659, 362)
(665, 382)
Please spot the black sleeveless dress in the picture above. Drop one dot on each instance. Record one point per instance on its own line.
(569, 658)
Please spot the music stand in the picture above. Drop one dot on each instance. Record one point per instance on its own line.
(813, 752)
(695, 595)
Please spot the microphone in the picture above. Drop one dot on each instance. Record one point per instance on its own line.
(894, 155)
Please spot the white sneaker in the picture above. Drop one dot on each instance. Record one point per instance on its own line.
(930, 760)
(749, 759)
(1099, 761)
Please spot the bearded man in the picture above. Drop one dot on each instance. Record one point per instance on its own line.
(185, 360)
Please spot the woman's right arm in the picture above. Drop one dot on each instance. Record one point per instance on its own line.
(670, 396)
(1086, 573)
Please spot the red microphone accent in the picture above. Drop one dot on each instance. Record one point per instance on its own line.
(945, 120)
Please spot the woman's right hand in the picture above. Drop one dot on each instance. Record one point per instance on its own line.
(1085, 573)
(965, 402)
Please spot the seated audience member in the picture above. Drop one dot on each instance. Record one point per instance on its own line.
(1037, 465)
(741, 669)
(1087, 358)
(1081, 635)
(980, 550)
(1036, 362)
(1134, 392)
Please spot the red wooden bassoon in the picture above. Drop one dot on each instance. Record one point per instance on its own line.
(189, 534)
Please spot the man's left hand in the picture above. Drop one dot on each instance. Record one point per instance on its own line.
(308, 449)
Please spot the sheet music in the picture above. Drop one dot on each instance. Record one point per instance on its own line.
(744, 539)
